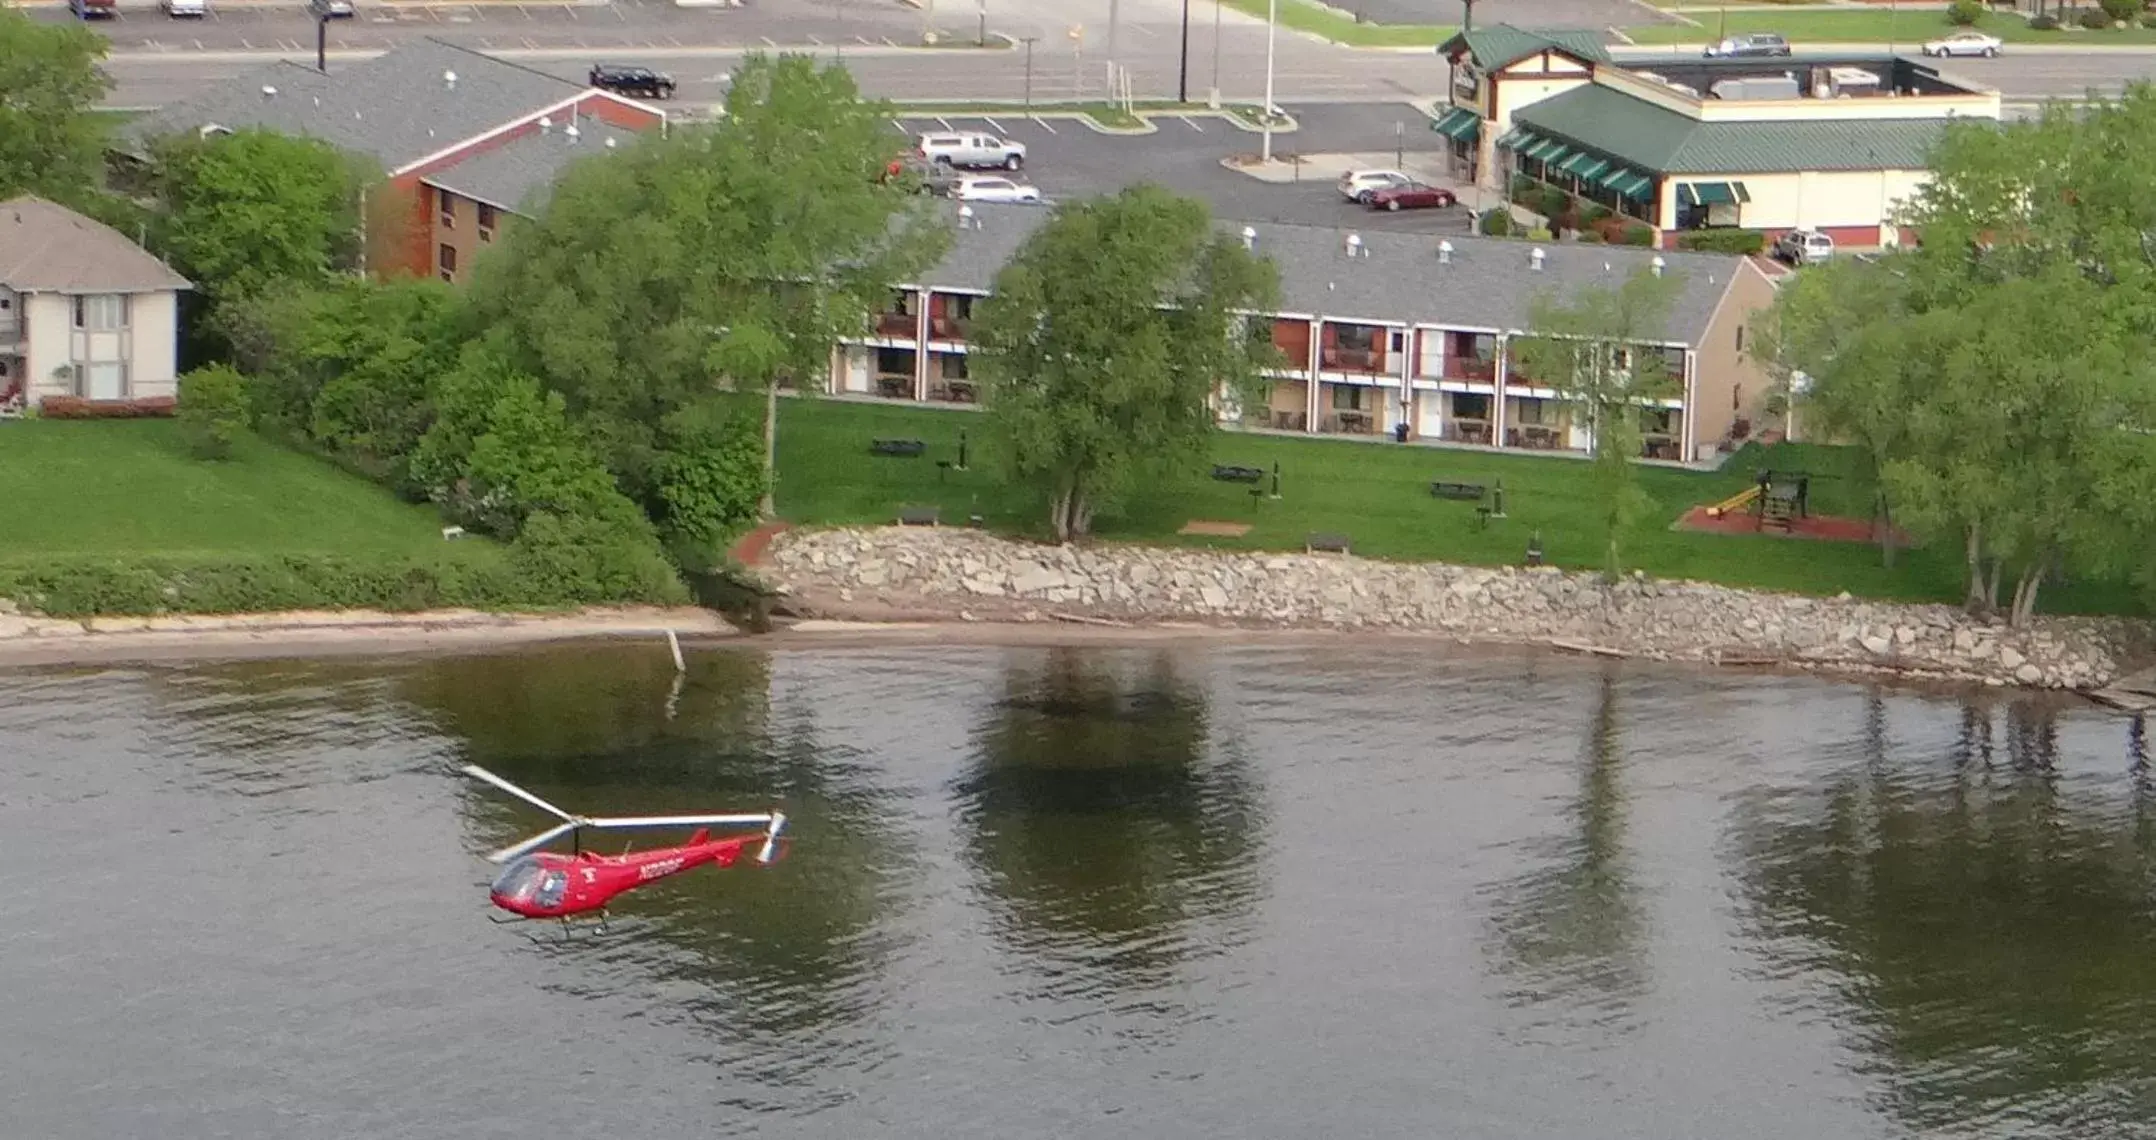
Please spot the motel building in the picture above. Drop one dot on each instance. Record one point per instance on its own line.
(1386, 334)
(1684, 143)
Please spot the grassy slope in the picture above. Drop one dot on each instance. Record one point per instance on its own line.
(1378, 494)
(1343, 29)
(129, 487)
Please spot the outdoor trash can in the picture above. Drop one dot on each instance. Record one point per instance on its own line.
(1399, 431)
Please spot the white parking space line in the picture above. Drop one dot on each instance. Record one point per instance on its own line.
(994, 125)
(943, 122)
(901, 127)
(1043, 124)
(768, 40)
(1191, 123)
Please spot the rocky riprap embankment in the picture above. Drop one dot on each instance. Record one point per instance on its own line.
(972, 575)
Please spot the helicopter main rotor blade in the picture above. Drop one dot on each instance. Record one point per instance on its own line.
(758, 819)
(534, 843)
(481, 773)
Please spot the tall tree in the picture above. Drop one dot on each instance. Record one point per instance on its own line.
(727, 256)
(49, 83)
(1835, 332)
(1595, 351)
(1106, 341)
(254, 210)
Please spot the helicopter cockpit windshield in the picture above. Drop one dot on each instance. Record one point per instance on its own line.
(529, 881)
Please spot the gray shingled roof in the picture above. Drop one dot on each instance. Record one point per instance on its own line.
(1488, 283)
(395, 108)
(519, 175)
(48, 248)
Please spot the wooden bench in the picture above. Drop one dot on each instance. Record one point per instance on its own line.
(920, 516)
(1465, 492)
(1238, 474)
(1326, 544)
(902, 448)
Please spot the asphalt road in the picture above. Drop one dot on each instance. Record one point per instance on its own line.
(157, 60)
(1066, 159)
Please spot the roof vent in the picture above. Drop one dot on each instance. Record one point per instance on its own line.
(1444, 253)
(1658, 265)
(611, 143)
(1354, 245)
(570, 132)
(1535, 258)
(449, 80)
(1250, 237)
(268, 92)
(967, 220)
(546, 124)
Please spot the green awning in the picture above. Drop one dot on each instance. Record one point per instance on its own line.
(1554, 155)
(1514, 138)
(1585, 166)
(1542, 148)
(1632, 184)
(1712, 193)
(1459, 124)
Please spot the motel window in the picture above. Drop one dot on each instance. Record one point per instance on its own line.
(1531, 411)
(486, 217)
(1347, 398)
(1470, 406)
(958, 306)
(1360, 337)
(103, 312)
(954, 366)
(447, 256)
(1740, 338)
(449, 208)
(1657, 421)
(894, 362)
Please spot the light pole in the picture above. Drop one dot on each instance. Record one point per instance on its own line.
(1272, 20)
(1182, 70)
(1029, 75)
(1214, 99)
(321, 39)
(1115, 15)
(982, 38)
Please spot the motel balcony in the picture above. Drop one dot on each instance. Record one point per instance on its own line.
(1366, 361)
(950, 317)
(896, 326)
(1466, 431)
(1473, 370)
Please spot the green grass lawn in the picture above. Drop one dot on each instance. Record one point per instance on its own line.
(1339, 28)
(1378, 494)
(1869, 26)
(130, 487)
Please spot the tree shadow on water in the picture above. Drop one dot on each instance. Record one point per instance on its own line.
(1114, 834)
(1986, 927)
(1568, 935)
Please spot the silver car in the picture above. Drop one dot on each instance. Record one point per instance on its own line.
(974, 151)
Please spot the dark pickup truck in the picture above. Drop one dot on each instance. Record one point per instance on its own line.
(642, 82)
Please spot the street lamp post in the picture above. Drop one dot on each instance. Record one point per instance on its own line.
(1182, 70)
(1272, 21)
(321, 39)
(1029, 75)
(1214, 98)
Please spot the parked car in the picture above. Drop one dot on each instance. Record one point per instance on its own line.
(187, 9)
(972, 151)
(1803, 247)
(330, 9)
(927, 177)
(1752, 44)
(1969, 42)
(1359, 185)
(642, 82)
(1413, 196)
(94, 9)
(983, 188)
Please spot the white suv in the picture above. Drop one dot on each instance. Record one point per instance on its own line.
(992, 189)
(1363, 185)
(976, 151)
(1804, 247)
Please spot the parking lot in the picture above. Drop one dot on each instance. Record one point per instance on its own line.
(1066, 158)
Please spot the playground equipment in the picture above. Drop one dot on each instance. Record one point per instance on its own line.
(1736, 502)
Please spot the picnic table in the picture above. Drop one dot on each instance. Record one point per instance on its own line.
(902, 448)
(1465, 492)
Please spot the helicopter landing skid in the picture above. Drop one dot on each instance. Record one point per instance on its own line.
(567, 928)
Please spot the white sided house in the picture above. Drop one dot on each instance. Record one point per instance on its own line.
(84, 312)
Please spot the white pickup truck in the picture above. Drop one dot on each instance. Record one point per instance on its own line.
(973, 151)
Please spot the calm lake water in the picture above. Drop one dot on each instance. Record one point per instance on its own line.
(1207, 892)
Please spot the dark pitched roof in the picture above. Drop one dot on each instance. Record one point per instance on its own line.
(1487, 283)
(1501, 45)
(47, 248)
(395, 108)
(1641, 134)
(518, 175)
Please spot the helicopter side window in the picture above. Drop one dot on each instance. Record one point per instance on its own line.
(551, 888)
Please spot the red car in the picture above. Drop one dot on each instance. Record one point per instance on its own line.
(1416, 197)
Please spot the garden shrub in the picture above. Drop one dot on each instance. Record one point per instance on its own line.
(2122, 11)
(77, 586)
(581, 560)
(1591, 236)
(1540, 233)
(2044, 23)
(2094, 19)
(214, 409)
(1497, 223)
(1723, 241)
(81, 408)
(1637, 233)
(1964, 13)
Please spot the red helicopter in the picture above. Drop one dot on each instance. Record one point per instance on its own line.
(548, 884)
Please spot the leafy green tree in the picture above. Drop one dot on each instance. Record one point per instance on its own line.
(725, 256)
(712, 481)
(1108, 337)
(1834, 339)
(49, 83)
(255, 210)
(1592, 350)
